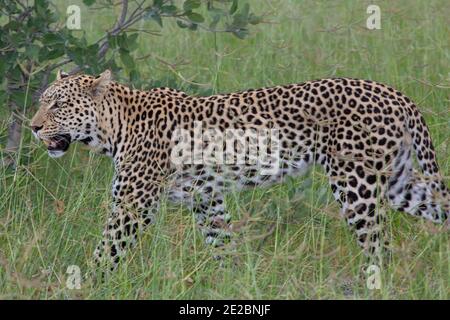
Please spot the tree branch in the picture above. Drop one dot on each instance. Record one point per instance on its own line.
(105, 45)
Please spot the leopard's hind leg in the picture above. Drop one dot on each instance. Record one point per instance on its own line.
(359, 190)
(202, 190)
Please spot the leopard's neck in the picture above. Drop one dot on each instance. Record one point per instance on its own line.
(120, 113)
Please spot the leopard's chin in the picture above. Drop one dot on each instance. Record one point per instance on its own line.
(55, 153)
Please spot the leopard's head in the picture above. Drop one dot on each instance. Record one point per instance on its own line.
(68, 110)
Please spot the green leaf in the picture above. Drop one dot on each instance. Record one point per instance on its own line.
(254, 19)
(195, 17)
(122, 41)
(188, 5)
(245, 10)
(233, 7)
(240, 33)
(51, 39)
(77, 55)
(158, 3)
(10, 57)
(112, 41)
(41, 8)
(46, 54)
(132, 41)
(53, 54)
(134, 76)
(169, 9)
(18, 39)
(240, 20)
(89, 2)
(126, 59)
(92, 51)
(182, 24)
(32, 52)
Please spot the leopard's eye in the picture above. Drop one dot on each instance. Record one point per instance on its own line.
(56, 104)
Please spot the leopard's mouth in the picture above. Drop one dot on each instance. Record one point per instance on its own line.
(58, 145)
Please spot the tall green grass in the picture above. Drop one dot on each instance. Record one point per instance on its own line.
(291, 242)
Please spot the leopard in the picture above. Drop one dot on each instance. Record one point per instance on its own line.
(370, 139)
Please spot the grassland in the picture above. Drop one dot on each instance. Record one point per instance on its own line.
(292, 243)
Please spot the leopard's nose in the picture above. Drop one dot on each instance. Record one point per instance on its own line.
(36, 128)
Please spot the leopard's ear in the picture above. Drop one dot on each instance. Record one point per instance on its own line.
(61, 75)
(100, 84)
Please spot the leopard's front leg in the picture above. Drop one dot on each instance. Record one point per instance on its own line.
(135, 204)
(120, 234)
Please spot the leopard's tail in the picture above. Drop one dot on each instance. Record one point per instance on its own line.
(425, 194)
(421, 142)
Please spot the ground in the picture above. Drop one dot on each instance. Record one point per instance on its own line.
(293, 244)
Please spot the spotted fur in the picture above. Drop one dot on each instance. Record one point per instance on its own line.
(363, 134)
